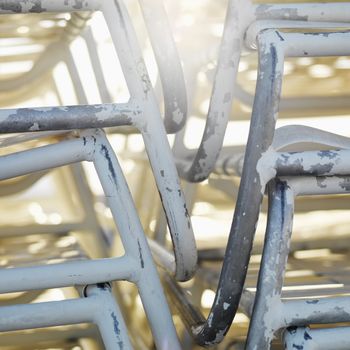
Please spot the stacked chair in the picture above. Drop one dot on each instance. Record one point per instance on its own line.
(96, 303)
(84, 275)
(251, 27)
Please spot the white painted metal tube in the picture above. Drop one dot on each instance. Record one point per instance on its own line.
(322, 163)
(288, 135)
(158, 149)
(67, 117)
(173, 201)
(323, 310)
(153, 132)
(41, 158)
(45, 157)
(47, 314)
(98, 306)
(311, 185)
(330, 12)
(119, 198)
(336, 338)
(169, 64)
(309, 44)
(135, 243)
(162, 256)
(316, 44)
(108, 317)
(67, 274)
(129, 54)
(30, 136)
(157, 311)
(256, 27)
(84, 148)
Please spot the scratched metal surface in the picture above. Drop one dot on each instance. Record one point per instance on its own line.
(214, 200)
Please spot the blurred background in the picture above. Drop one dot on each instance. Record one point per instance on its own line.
(53, 201)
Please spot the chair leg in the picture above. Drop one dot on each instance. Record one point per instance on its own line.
(273, 265)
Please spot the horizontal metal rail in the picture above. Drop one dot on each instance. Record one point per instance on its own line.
(317, 339)
(68, 117)
(98, 307)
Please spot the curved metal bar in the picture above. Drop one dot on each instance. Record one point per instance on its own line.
(154, 136)
(260, 25)
(284, 137)
(250, 193)
(221, 98)
(274, 259)
(169, 65)
(270, 313)
(295, 134)
(251, 189)
(240, 15)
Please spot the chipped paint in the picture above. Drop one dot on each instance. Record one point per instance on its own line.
(65, 118)
(266, 168)
(105, 152)
(34, 127)
(142, 263)
(278, 12)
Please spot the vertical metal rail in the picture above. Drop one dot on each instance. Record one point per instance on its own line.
(252, 187)
(275, 255)
(270, 313)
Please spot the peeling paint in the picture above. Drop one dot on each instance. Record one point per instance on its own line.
(265, 168)
(321, 169)
(320, 180)
(34, 127)
(345, 183)
(274, 12)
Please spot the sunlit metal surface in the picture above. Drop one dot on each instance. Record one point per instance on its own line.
(68, 59)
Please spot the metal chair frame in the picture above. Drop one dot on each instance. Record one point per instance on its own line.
(270, 313)
(141, 112)
(136, 265)
(239, 16)
(261, 164)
